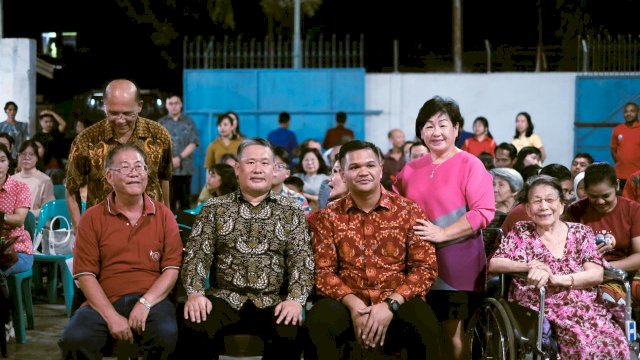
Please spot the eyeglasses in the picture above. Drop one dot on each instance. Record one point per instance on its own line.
(126, 170)
(26, 155)
(281, 166)
(549, 200)
(310, 160)
(130, 115)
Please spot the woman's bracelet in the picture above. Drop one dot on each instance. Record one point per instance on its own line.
(572, 281)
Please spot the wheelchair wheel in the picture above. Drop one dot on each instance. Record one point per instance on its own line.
(490, 334)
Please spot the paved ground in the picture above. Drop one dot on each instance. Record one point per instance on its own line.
(42, 341)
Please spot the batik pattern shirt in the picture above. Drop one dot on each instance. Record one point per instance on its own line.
(88, 151)
(371, 255)
(248, 250)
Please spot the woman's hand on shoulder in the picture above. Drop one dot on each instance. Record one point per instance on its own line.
(428, 231)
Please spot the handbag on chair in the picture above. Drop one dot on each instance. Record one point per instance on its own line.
(56, 241)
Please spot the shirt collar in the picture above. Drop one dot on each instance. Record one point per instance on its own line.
(112, 208)
(385, 201)
(270, 196)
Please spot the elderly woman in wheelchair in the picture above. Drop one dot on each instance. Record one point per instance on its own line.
(561, 256)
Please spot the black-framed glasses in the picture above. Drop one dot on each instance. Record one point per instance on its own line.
(126, 170)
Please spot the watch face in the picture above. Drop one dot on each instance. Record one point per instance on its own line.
(393, 305)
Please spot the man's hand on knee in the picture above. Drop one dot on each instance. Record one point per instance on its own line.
(376, 328)
(138, 317)
(119, 328)
(290, 311)
(197, 308)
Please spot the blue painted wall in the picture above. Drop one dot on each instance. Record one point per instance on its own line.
(600, 100)
(311, 96)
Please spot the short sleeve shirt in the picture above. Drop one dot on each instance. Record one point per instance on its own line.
(13, 195)
(86, 159)
(126, 258)
(524, 141)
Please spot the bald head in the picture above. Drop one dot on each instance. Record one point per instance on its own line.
(122, 89)
(122, 105)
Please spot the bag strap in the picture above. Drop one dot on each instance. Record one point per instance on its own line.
(59, 217)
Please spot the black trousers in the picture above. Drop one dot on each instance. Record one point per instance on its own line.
(414, 327)
(180, 192)
(204, 340)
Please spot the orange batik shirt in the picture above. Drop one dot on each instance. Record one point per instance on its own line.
(371, 255)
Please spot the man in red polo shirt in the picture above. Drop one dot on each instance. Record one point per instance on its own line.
(127, 257)
(625, 144)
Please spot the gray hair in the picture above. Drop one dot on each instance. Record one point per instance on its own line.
(254, 141)
(510, 175)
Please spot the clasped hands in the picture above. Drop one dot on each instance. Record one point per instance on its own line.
(370, 324)
(540, 274)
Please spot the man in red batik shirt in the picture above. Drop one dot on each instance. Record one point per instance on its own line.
(376, 292)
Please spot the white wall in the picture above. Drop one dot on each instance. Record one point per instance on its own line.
(18, 78)
(548, 97)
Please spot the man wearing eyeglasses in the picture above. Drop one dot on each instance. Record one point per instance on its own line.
(122, 125)
(127, 258)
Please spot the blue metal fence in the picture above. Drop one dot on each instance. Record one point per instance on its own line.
(311, 96)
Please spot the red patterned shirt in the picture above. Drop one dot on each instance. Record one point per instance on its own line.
(371, 255)
(13, 195)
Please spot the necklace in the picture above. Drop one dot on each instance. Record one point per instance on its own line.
(443, 159)
(433, 172)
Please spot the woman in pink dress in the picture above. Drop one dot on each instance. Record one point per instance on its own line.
(563, 257)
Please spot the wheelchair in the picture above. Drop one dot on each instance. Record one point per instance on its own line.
(504, 330)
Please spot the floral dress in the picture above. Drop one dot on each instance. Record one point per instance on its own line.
(583, 326)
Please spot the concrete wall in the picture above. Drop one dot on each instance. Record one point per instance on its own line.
(18, 78)
(548, 97)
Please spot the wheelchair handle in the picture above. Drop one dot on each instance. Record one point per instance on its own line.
(612, 273)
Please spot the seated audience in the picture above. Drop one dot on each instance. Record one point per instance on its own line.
(332, 188)
(294, 183)
(632, 187)
(40, 185)
(578, 186)
(580, 163)
(312, 170)
(247, 240)
(529, 155)
(280, 173)
(613, 217)
(221, 180)
(372, 294)
(127, 257)
(506, 155)
(563, 257)
(506, 185)
(417, 150)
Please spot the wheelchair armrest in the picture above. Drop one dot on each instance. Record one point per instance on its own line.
(612, 273)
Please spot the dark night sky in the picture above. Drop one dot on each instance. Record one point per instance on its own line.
(114, 45)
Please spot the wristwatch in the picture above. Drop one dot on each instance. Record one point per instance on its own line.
(394, 305)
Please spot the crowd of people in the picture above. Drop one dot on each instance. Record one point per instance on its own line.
(387, 248)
